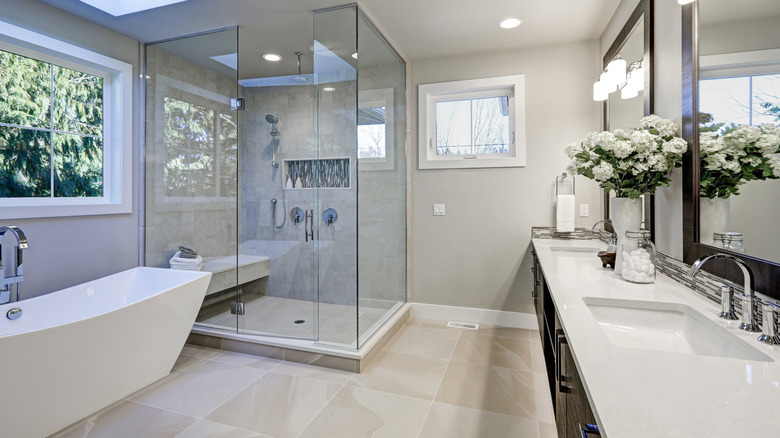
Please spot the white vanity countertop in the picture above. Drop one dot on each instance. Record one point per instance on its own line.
(638, 393)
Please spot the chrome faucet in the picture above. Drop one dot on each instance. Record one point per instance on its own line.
(17, 268)
(749, 312)
(613, 240)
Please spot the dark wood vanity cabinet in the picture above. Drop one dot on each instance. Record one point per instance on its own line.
(570, 402)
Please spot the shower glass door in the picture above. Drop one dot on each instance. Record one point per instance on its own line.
(191, 171)
(278, 255)
(335, 74)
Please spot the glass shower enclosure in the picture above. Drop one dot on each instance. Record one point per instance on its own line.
(288, 179)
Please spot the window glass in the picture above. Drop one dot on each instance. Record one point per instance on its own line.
(201, 144)
(371, 132)
(749, 100)
(49, 114)
(472, 126)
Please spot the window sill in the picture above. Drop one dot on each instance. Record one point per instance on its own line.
(466, 163)
(24, 209)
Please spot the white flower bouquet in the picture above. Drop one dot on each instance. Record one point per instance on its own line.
(739, 153)
(632, 164)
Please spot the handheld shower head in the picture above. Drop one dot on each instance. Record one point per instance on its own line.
(271, 119)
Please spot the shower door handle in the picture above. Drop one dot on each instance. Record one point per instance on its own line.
(309, 225)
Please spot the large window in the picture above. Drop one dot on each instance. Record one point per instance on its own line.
(473, 123)
(65, 128)
(51, 130)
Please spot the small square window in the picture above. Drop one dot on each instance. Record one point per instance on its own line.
(473, 123)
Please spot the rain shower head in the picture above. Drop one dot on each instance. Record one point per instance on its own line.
(271, 119)
(301, 79)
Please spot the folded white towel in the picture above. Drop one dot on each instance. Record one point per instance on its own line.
(185, 261)
(186, 267)
(564, 214)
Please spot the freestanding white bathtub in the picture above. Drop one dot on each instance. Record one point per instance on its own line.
(75, 351)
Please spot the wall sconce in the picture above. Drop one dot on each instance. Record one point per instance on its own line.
(619, 75)
(685, 2)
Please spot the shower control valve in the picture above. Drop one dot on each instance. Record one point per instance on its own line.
(330, 216)
(297, 215)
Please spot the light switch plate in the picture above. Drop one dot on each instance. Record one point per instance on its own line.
(438, 210)
(583, 210)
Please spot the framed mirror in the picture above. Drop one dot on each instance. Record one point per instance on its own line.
(731, 117)
(634, 44)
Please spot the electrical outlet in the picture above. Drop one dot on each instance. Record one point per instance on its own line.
(583, 210)
(438, 210)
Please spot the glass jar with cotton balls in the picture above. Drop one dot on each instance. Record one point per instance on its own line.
(638, 257)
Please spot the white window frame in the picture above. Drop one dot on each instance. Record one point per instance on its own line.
(117, 127)
(382, 97)
(429, 94)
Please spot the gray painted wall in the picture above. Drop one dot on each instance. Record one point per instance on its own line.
(68, 251)
(478, 255)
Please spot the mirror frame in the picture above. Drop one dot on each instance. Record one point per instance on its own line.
(766, 273)
(645, 9)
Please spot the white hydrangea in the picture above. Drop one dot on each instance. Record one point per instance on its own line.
(640, 167)
(572, 149)
(753, 161)
(643, 141)
(716, 161)
(768, 143)
(603, 172)
(591, 139)
(657, 162)
(666, 128)
(623, 148)
(573, 167)
(709, 143)
(774, 162)
(675, 146)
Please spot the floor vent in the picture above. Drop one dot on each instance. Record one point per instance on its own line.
(463, 325)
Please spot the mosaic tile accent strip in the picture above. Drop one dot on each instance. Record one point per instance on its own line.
(552, 233)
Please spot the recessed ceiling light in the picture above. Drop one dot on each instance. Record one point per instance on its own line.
(511, 23)
(272, 57)
(354, 55)
(124, 7)
(328, 89)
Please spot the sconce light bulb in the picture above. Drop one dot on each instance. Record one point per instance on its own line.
(600, 92)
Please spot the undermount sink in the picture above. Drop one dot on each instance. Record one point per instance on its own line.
(583, 249)
(667, 327)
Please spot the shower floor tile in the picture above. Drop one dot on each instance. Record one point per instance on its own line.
(478, 391)
(278, 316)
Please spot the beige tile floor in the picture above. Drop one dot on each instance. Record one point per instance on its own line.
(430, 381)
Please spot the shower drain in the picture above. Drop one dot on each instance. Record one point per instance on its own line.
(300, 321)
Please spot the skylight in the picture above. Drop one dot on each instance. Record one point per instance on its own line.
(124, 7)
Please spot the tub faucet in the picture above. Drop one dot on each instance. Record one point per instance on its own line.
(17, 268)
(749, 312)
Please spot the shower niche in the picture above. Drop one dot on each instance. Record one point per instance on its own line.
(329, 173)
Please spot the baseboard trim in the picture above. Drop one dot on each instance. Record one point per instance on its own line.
(479, 316)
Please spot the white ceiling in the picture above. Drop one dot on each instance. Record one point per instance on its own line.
(418, 29)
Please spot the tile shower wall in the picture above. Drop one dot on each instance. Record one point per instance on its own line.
(199, 219)
(293, 261)
(382, 200)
